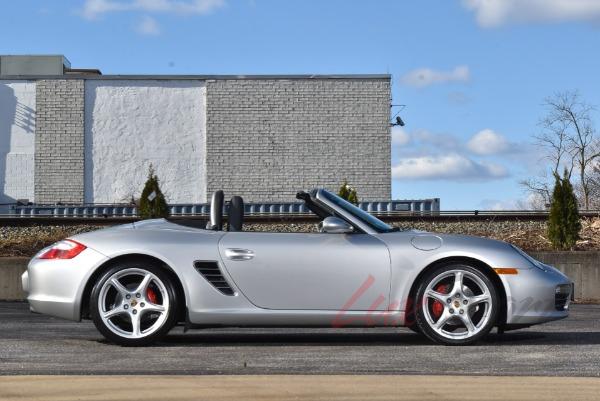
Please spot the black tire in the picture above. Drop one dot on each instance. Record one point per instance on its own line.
(425, 327)
(170, 312)
(410, 321)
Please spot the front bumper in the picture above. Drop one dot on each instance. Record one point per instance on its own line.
(535, 296)
(55, 287)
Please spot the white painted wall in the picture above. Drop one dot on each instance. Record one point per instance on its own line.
(130, 124)
(17, 140)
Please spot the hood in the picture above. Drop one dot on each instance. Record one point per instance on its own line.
(425, 240)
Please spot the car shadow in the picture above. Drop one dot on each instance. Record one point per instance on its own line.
(266, 339)
(282, 339)
(543, 338)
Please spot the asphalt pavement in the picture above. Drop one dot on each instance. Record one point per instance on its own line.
(32, 344)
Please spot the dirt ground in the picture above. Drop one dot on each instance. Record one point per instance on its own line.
(276, 387)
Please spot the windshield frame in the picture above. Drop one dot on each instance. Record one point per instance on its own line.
(356, 215)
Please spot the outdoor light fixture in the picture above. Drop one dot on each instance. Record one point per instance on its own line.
(397, 120)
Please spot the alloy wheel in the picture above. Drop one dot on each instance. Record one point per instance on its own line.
(457, 304)
(133, 303)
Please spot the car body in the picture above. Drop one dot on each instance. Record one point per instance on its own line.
(356, 271)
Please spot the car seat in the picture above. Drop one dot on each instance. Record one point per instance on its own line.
(216, 212)
(236, 214)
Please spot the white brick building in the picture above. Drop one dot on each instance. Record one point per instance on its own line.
(76, 136)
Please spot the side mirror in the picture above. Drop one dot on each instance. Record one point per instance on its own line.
(335, 225)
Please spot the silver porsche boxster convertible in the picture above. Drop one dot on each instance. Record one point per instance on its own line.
(137, 281)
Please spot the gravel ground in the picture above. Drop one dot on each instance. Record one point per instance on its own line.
(529, 235)
(26, 241)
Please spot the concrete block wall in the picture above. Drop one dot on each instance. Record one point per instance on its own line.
(583, 268)
(11, 270)
(59, 141)
(265, 137)
(269, 138)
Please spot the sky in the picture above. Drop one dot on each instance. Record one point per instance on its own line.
(472, 74)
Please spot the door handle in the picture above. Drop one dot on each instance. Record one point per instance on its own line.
(238, 254)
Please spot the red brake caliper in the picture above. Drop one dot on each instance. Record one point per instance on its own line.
(151, 295)
(438, 307)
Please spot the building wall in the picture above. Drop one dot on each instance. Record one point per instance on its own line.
(269, 138)
(17, 140)
(59, 141)
(131, 124)
(261, 138)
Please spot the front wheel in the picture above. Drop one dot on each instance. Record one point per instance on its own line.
(133, 304)
(457, 305)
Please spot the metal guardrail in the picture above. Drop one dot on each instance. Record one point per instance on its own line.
(426, 208)
(422, 206)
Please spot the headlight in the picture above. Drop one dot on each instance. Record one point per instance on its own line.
(531, 260)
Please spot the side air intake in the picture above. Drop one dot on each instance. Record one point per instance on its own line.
(212, 273)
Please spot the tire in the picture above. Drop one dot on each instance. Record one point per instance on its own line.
(444, 309)
(134, 304)
(410, 321)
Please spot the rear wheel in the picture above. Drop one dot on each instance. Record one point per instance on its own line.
(457, 305)
(134, 304)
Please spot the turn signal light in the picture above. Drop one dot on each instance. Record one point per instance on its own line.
(506, 270)
(65, 249)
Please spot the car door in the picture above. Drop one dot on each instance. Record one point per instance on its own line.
(307, 271)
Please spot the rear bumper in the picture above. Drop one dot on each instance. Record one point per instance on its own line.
(55, 287)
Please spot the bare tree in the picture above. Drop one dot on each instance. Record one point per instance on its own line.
(554, 142)
(534, 201)
(570, 143)
(540, 187)
(595, 186)
(573, 114)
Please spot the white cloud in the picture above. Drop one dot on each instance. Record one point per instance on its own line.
(494, 13)
(453, 166)
(496, 204)
(530, 202)
(488, 142)
(148, 26)
(399, 136)
(92, 9)
(425, 139)
(422, 77)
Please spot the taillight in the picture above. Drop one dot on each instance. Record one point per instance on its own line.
(65, 249)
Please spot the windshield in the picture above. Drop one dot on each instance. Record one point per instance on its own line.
(357, 212)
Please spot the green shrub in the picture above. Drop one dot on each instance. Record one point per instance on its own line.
(152, 201)
(348, 193)
(563, 222)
